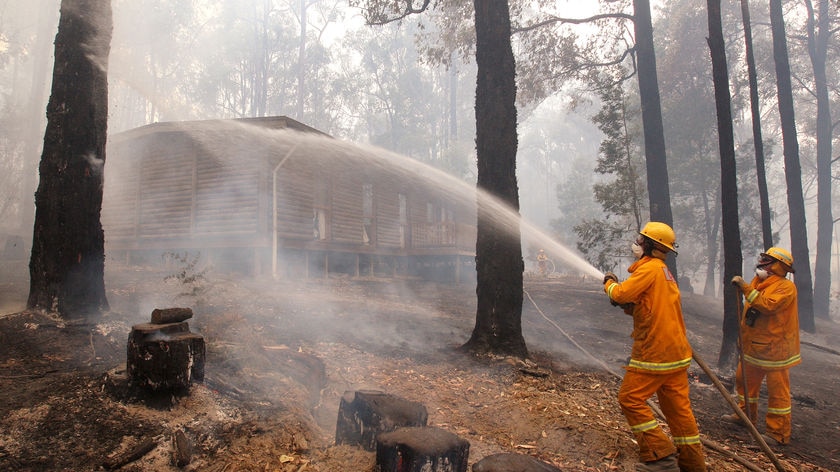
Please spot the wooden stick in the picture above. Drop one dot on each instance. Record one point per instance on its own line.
(737, 409)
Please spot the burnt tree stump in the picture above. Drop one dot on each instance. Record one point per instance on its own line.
(508, 462)
(164, 357)
(421, 449)
(364, 414)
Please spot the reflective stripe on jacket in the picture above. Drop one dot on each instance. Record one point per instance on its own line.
(772, 342)
(659, 341)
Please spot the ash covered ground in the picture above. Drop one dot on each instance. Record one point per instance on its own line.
(281, 353)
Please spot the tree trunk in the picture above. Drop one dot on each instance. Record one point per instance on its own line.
(659, 193)
(732, 258)
(793, 171)
(301, 75)
(499, 264)
(818, 35)
(758, 139)
(68, 256)
(713, 218)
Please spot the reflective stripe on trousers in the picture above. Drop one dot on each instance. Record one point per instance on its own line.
(672, 392)
(778, 398)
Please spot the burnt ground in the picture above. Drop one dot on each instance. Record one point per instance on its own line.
(281, 354)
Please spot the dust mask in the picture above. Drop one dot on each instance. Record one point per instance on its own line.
(637, 250)
(761, 273)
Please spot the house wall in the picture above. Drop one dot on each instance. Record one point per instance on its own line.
(164, 191)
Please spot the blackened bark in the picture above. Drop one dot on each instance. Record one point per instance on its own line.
(732, 258)
(67, 263)
(793, 171)
(758, 139)
(659, 193)
(818, 36)
(499, 264)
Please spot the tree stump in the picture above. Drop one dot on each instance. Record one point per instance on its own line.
(421, 449)
(364, 414)
(508, 462)
(181, 449)
(164, 357)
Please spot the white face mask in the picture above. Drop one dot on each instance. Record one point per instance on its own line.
(761, 273)
(637, 250)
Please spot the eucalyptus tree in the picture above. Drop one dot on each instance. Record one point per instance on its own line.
(67, 263)
(499, 265)
(733, 260)
(793, 171)
(689, 123)
(755, 110)
(603, 240)
(819, 33)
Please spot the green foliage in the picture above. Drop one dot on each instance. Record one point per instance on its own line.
(603, 243)
(192, 282)
(621, 198)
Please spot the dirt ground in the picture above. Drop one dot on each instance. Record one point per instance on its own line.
(281, 353)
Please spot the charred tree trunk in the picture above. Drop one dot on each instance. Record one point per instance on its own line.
(499, 264)
(758, 139)
(818, 35)
(793, 171)
(659, 193)
(68, 245)
(732, 258)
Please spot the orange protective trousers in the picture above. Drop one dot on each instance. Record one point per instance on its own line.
(777, 420)
(672, 392)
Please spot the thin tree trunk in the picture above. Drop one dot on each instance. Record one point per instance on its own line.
(301, 79)
(68, 257)
(793, 171)
(758, 140)
(499, 264)
(818, 35)
(732, 258)
(659, 193)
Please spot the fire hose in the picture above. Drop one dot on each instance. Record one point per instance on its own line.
(721, 388)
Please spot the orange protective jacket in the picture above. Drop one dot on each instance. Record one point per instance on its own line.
(772, 343)
(660, 345)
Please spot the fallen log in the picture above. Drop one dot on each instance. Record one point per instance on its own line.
(138, 451)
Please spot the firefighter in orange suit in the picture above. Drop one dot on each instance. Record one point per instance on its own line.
(659, 359)
(769, 341)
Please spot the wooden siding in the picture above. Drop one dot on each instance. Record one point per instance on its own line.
(388, 215)
(295, 201)
(226, 197)
(346, 221)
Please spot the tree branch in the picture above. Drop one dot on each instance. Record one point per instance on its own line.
(380, 17)
(574, 21)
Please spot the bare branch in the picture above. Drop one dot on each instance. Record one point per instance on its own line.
(574, 21)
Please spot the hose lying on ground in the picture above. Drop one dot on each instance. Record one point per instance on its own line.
(706, 442)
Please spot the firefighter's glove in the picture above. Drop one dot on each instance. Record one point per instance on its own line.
(739, 282)
(610, 276)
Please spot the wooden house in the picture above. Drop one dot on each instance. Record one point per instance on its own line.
(273, 196)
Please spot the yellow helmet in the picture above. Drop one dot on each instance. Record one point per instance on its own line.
(782, 255)
(660, 233)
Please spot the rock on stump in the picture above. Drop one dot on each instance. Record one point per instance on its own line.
(421, 449)
(364, 414)
(166, 356)
(507, 462)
